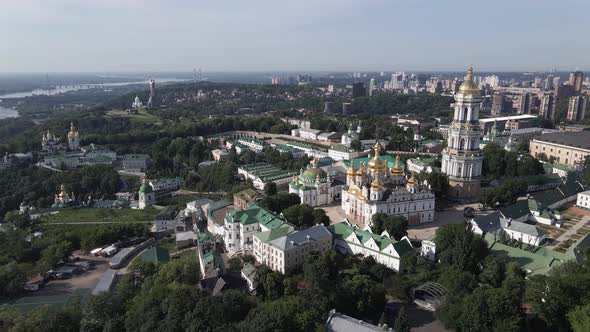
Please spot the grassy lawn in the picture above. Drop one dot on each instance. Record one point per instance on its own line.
(101, 215)
(180, 200)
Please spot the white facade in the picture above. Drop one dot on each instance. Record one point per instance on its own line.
(287, 253)
(219, 155)
(241, 225)
(583, 200)
(166, 184)
(428, 250)
(462, 160)
(511, 229)
(376, 189)
(315, 187)
(350, 135)
(306, 133)
(352, 241)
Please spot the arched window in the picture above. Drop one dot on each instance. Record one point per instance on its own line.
(462, 144)
(465, 114)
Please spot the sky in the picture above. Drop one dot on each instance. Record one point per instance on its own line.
(293, 35)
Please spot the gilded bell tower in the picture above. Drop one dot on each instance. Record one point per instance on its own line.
(462, 159)
(73, 138)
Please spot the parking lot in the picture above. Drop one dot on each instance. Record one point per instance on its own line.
(59, 292)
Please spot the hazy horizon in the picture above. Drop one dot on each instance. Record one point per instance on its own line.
(118, 36)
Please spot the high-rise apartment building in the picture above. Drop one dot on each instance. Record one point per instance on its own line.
(547, 106)
(358, 90)
(576, 79)
(576, 109)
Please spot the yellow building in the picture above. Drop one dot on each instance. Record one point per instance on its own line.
(567, 148)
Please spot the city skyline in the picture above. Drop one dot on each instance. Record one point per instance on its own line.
(154, 35)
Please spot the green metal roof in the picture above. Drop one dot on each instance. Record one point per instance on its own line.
(533, 263)
(156, 255)
(274, 233)
(146, 188)
(388, 158)
(516, 210)
(343, 231)
(255, 214)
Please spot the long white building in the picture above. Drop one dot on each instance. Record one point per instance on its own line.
(350, 240)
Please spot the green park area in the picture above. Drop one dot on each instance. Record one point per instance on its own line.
(139, 115)
(92, 215)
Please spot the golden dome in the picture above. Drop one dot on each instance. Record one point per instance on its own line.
(412, 181)
(376, 163)
(397, 170)
(63, 193)
(73, 131)
(351, 171)
(312, 174)
(468, 86)
(376, 184)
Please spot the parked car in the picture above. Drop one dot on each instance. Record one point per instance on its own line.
(32, 287)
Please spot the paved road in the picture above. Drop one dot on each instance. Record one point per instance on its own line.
(190, 192)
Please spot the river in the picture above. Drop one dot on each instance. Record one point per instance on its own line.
(10, 113)
(7, 113)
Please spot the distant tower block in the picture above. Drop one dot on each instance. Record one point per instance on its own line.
(73, 138)
(346, 108)
(462, 159)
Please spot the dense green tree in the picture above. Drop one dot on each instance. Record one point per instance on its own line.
(504, 195)
(401, 321)
(291, 313)
(365, 297)
(279, 202)
(494, 271)
(43, 319)
(356, 145)
(55, 253)
(102, 312)
(458, 246)
(579, 318)
(320, 217)
(12, 279)
(270, 189)
(396, 226)
(269, 284)
(303, 215)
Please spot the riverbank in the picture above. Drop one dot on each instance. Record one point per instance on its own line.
(6, 113)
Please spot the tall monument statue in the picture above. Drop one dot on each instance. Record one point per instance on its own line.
(150, 102)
